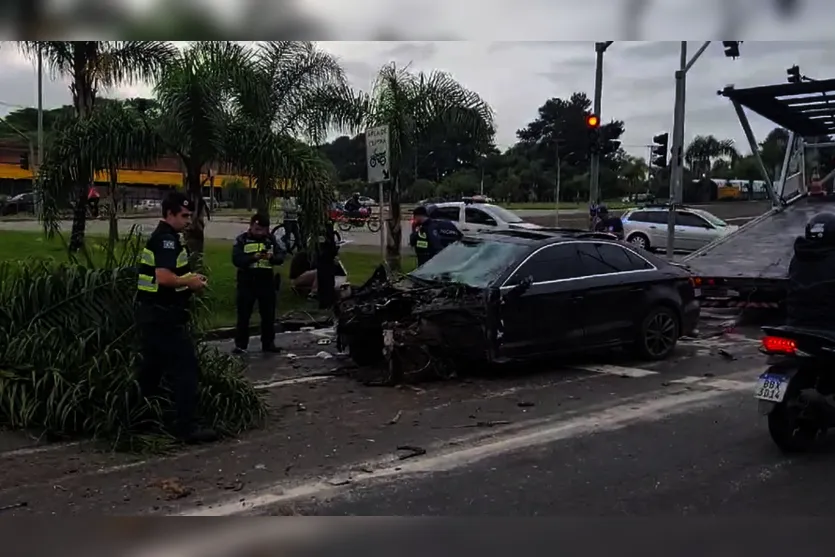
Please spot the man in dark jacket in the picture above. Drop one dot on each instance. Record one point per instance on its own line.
(255, 253)
(608, 223)
(811, 295)
(430, 236)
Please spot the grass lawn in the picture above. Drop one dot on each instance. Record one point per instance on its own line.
(360, 263)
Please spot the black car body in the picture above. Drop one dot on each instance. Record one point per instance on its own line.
(21, 203)
(514, 294)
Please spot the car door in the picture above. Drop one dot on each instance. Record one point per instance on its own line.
(613, 287)
(656, 228)
(476, 220)
(448, 213)
(698, 231)
(545, 317)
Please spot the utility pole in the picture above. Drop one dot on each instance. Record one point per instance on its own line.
(677, 151)
(594, 178)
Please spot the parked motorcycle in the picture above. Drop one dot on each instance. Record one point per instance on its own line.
(797, 391)
(365, 218)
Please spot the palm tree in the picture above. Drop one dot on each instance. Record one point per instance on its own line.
(197, 94)
(302, 93)
(411, 104)
(91, 67)
(703, 150)
(634, 171)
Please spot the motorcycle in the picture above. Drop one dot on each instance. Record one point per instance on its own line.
(365, 219)
(797, 391)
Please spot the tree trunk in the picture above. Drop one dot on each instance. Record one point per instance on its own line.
(262, 190)
(195, 234)
(79, 219)
(394, 236)
(113, 220)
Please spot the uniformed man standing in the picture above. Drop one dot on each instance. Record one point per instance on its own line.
(255, 253)
(165, 283)
(430, 236)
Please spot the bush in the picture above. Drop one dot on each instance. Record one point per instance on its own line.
(68, 355)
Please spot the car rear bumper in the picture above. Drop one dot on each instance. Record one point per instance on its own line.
(690, 317)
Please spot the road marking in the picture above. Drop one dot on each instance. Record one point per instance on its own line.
(612, 419)
(27, 451)
(618, 370)
(292, 381)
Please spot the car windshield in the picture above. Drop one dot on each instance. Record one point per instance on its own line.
(712, 219)
(476, 264)
(505, 215)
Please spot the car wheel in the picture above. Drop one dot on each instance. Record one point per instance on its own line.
(658, 333)
(639, 240)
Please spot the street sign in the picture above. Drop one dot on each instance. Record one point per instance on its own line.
(377, 154)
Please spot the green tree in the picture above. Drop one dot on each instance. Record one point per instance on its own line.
(92, 66)
(411, 104)
(701, 153)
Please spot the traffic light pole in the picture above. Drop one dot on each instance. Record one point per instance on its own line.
(677, 151)
(594, 177)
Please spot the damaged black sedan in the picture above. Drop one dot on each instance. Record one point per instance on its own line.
(514, 295)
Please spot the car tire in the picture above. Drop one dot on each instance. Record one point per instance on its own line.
(639, 240)
(658, 333)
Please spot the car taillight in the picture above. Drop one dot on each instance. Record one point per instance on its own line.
(779, 345)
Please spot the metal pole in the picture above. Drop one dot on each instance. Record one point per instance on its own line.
(39, 161)
(383, 224)
(557, 194)
(755, 150)
(594, 184)
(676, 162)
(787, 157)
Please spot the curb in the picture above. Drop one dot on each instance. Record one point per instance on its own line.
(282, 326)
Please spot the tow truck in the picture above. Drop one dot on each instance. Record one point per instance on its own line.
(749, 267)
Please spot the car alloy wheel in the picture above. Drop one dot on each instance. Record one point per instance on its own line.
(638, 241)
(660, 333)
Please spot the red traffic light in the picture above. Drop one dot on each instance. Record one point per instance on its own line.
(592, 121)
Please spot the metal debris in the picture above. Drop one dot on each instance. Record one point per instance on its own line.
(396, 418)
(412, 451)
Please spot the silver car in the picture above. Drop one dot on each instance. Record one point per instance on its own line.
(475, 217)
(647, 228)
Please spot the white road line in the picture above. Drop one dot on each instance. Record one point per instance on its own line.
(612, 419)
(292, 381)
(26, 451)
(618, 370)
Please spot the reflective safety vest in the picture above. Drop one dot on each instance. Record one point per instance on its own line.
(258, 247)
(422, 241)
(146, 282)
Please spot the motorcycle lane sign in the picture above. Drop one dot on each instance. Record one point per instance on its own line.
(377, 154)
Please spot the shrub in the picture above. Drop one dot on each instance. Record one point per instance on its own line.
(68, 356)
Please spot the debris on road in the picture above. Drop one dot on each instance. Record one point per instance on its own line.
(14, 506)
(324, 355)
(525, 404)
(412, 451)
(486, 423)
(172, 489)
(725, 354)
(396, 418)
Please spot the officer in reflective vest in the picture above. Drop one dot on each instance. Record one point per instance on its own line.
(165, 283)
(255, 253)
(430, 236)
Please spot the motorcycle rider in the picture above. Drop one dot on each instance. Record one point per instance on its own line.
(811, 293)
(353, 207)
(430, 236)
(608, 223)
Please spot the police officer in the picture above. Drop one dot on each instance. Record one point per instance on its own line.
(430, 236)
(165, 283)
(255, 253)
(810, 300)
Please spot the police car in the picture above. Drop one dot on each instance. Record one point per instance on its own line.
(471, 216)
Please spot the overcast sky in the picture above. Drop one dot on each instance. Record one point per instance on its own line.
(517, 77)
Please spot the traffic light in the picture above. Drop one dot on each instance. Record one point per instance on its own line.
(793, 74)
(593, 126)
(731, 48)
(659, 150)
(24, 161)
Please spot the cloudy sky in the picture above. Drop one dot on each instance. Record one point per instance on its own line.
(517, 77)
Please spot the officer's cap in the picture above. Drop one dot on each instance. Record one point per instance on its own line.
(420, 211)
(260, 219)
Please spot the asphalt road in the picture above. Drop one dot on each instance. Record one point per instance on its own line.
(597, 436)
(227, 228)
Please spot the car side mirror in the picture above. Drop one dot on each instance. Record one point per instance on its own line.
(519, 288)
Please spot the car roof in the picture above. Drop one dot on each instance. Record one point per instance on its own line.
(542, 237)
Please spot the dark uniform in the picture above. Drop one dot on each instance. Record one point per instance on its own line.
(431, 237)
(810, 300)
(326, 252)
(163, 318)
(256, 282)
(612, 225)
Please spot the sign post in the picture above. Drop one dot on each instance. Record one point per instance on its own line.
(378, 159)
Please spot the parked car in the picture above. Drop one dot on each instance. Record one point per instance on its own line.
(20, 203)
(519, 294)
(148, 205)
(695, 228)
(471, 217)
(365, 201)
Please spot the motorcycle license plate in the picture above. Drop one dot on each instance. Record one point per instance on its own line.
(771, 388)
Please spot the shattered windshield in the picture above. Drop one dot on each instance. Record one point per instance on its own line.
(475, 264)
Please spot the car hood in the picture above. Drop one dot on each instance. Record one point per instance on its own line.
(525, 226)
